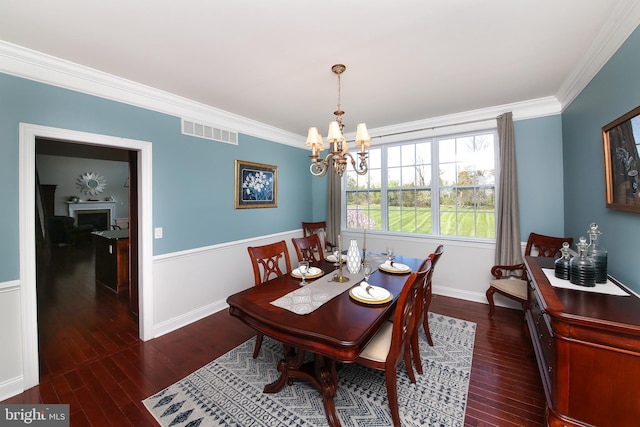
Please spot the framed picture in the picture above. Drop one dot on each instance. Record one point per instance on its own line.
(256, 185)
(621, 142)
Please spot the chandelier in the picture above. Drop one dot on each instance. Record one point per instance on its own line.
(339, 154)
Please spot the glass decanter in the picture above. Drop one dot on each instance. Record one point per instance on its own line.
(582, 269)
(562, 270)
(597, 253)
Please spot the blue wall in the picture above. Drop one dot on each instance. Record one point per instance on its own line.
(193, 179)
(614, 91)
(539, 163)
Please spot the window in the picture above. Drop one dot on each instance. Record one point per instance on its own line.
(438, 186)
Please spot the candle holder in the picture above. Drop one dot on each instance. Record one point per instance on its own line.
(339, 277)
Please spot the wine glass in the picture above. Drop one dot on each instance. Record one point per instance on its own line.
(336, 254)
(390, 253)
(368, 269)
(303, 269)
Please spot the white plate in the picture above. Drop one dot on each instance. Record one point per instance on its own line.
(311, 273)
(381, 295)
(395, 268)
(332, 258)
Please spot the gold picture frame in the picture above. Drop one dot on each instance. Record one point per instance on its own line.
(256, 185)
(621, 143)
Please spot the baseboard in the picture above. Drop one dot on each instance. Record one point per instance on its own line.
(187, 318)
(472, 296)
(11, 387)
(195, 315)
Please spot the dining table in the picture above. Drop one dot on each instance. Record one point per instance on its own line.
(334, 331)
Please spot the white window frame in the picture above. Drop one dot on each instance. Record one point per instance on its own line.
(435, 189)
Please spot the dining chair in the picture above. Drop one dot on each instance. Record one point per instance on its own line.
(515, 288)
(319, 228)
(423, 311)
(391, 342)
(308, 248)
(266, 263)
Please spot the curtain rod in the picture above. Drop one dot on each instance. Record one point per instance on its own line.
(435, 127)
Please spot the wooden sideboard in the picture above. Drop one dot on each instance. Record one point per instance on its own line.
(588, 350)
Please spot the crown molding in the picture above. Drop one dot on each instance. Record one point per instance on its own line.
(467, 121)
(22, 62)
(623, 21)
(26, 63)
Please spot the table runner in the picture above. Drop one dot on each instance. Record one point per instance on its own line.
(310, 297)
(608, 288)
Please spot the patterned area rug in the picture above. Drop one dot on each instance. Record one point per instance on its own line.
(228, 391)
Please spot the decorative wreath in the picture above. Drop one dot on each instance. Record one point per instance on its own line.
(91, 183)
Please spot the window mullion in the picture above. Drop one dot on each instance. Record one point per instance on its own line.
(384, 206)
(435, 188)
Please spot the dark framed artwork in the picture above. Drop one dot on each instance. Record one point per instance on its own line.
(256, 185)
(621, 140)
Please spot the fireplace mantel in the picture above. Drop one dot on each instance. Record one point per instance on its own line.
(92, 206)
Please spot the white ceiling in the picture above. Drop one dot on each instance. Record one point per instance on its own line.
(270, 61)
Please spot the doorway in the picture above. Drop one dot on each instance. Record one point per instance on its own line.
(80, 318)
(27, 185)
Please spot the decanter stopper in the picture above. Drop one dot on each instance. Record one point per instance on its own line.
(582, 268)
(562, 270)
(597, 253)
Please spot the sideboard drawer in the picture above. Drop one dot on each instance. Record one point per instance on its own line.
(542, 337)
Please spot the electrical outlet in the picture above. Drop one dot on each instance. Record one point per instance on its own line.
(157, 232)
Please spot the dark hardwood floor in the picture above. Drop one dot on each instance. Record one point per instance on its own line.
(92, 359)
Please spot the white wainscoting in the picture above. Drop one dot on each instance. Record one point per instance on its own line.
(11, 374)
(463, 271)
(193, 284)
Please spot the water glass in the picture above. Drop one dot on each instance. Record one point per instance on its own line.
(368, 269)
(336, 254)
(303, 269)
(390, 253)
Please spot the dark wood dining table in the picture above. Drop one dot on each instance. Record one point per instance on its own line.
(335, 332)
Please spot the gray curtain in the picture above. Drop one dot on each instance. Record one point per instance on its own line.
(508, 250)
(334, 209)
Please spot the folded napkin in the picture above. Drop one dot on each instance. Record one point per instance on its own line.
(372, 291)
(333, 258)
(390, 265)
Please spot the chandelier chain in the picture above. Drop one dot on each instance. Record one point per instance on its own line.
(339, 113)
